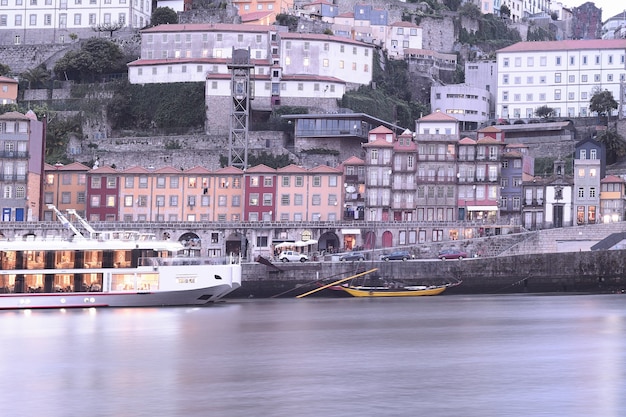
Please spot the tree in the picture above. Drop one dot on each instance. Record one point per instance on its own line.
(96, 57)
(544, 111)
(108, 27)
(615, 145)
(4, 70)
(36, 77)
(603, 103)
(453, 5)
(470, 10)
(505, 11)
(163, 16)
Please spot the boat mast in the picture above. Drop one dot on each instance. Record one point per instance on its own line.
(64, 221)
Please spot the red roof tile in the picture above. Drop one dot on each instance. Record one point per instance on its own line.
(437, 117)
(565, 45)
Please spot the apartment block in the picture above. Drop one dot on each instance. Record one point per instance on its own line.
(562, 75)
(65, 187)
(22, 166)
(47, 21)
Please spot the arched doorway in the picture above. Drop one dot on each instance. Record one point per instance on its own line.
(328, 241)
(192, 244)
(237, 245)
(387, 239)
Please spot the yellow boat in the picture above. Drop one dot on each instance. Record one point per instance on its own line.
(411, 291)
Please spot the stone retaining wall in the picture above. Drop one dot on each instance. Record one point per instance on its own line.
(591, 271)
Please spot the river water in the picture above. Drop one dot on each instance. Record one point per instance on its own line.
(445, 356)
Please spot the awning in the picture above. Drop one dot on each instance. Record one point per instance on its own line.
(300, 243)
(482, 208)
(350, 231)
(285, 245)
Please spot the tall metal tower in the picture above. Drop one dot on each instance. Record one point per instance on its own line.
(242, 93)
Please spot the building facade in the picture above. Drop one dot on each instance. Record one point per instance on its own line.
(469, 105)
(562, 75)
(65, 187)
(45, 21)
(8, 90)
(22, 139)
(589, 169)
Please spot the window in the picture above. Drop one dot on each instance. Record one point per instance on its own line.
(128, 201)
(111, 182)
(95, 201)
(267, 199)
(557, 77)
(95, 182)
(254, 199)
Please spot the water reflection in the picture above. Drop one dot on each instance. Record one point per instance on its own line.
(440, 356)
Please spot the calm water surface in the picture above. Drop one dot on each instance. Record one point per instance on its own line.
(519, 355)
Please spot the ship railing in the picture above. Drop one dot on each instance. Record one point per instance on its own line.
(155, 262)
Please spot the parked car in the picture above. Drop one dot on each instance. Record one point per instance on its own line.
(352, 256)
(292, 256)
(399, 255)
(451, 254)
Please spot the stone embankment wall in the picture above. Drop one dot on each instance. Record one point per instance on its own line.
(177, 151)
(590, 271)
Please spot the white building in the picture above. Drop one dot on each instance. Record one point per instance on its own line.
(469, 105)
(191, 52)
(47, 21)
(402, 36)
(484, 75)
(516, 7)
(615, 26)
(562, 74)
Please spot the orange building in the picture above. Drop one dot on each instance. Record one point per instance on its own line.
(65, 187)
(309, 195)
(8, 90)
(227, 195)
(261, 11)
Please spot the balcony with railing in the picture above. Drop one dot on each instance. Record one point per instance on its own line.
(14, 154)
(13, 177)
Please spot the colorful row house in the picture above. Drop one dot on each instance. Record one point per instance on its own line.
(167, 194)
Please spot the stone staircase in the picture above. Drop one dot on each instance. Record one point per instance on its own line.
(568, 239)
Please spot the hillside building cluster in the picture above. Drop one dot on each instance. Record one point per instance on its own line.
(433, 175)
(432, 178)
